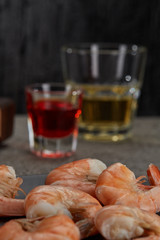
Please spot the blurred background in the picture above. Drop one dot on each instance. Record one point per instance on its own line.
(33, 31)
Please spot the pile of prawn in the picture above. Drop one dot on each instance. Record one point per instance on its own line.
(82, 199)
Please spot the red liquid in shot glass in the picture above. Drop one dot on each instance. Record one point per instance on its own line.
(52, 118)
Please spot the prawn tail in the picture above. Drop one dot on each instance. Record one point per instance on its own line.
(86, 228)
(153, 173)
(140, 183)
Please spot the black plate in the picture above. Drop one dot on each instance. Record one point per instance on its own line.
(30, 182)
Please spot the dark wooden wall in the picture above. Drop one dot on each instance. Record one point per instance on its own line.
(32, 32)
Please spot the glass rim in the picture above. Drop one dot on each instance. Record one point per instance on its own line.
(102, 48)
(35, 88)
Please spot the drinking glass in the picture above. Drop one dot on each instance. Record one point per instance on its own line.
(53, 111)
(111, 76)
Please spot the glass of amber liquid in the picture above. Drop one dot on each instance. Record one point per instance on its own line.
(53, 111)
(111, 76)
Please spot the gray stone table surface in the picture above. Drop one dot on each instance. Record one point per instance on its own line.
(136, 153)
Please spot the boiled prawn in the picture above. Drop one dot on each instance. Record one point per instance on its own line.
(117, 185)
(58, 227)
(50, 200)
(119, 222)
(81, 174)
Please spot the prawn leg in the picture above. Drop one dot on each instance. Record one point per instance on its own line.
(9, 187)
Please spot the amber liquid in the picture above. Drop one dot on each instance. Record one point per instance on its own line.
(107, 111)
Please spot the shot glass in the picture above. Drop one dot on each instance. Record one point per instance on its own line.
(53, 111)
(111, 76)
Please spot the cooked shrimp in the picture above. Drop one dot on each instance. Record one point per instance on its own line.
(118, 185)
(52, 200)
(52, 228)
(153, 175)
(9, 186)
(81, 174)
(119, 222)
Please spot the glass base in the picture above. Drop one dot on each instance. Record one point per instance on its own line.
(105, 135)
(53, 148)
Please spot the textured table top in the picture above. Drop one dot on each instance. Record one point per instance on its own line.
(137, 153)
